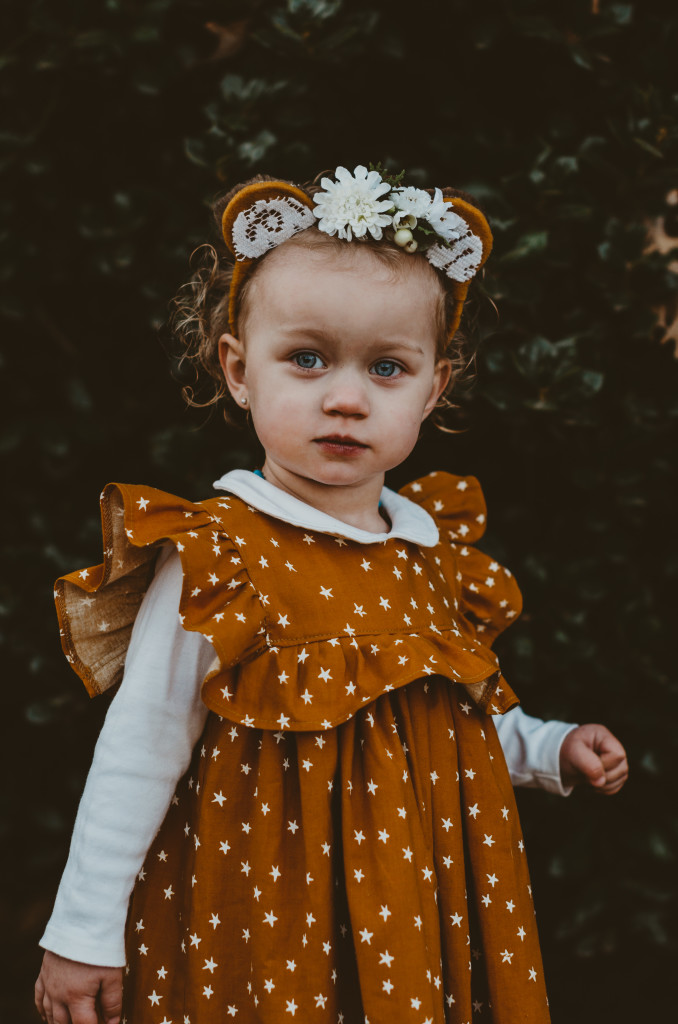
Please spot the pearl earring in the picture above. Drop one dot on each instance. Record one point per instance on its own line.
(244, 401)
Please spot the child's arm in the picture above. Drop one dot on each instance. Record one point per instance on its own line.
(557, 755)
(144, 747)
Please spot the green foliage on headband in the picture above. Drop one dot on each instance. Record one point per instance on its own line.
(122, 121)
(394, 180)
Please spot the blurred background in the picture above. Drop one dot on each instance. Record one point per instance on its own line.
(122, 121)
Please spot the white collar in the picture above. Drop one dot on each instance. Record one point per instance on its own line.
(409, 521)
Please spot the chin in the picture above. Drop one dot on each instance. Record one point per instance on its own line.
(338, 475)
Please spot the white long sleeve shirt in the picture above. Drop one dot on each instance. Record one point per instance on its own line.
(157, 716)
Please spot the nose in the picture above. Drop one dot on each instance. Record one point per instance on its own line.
(346, 394)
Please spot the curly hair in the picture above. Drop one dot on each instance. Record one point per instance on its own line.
(199, 312)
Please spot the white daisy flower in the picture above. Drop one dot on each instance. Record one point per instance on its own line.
(411, 200)
(352, 205)
(444, 221)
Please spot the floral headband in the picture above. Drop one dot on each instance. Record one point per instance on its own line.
(452, 233)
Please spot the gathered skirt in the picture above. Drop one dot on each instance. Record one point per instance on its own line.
(370, 873)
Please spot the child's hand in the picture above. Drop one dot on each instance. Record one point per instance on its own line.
(590, 753)
(68, 992)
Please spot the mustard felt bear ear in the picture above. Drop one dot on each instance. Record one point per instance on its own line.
(263, 215)
(258, 218)
(462, 259)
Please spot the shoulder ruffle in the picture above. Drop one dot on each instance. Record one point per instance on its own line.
(97, 606)
(489, 597)
(456, 503)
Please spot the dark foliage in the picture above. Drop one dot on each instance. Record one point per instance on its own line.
(122, 121)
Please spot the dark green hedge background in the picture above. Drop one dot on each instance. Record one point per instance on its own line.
(122, 120)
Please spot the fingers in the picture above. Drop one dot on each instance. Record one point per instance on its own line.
(55, 1012)
(588, 764)
(611, 788)
(50, 1010)
(615, 766)
(615, 777)
(613, 762)
(607, 745)
(60, 1014)
(83, 1011)
(110, 997)
(40, 997)
(47, 1003)
(613, 759)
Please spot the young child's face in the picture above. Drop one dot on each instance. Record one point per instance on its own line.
(338, 364)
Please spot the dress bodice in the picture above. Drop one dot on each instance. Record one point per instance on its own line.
(307, 626)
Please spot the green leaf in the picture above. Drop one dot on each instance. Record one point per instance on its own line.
(527, 245)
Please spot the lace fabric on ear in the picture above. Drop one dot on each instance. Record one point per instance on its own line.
(461, 261)
(267, 223)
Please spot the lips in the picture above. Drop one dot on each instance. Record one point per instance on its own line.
(341, 441)
(340, 445)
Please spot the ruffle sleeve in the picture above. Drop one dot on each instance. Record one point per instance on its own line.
(97, 606)
(489, 598)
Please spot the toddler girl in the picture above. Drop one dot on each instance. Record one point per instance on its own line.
(299, 780)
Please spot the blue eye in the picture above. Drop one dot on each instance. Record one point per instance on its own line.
(387, 368)
(308, 360)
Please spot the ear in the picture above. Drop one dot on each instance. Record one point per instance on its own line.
(441, 378)
(232, 361)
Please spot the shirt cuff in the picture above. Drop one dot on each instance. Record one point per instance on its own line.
(72, 947)
(532, 750)
(547, 774)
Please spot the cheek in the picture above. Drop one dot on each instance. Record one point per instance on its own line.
(410, 416)
(404, 431)
(412, 410)
(277, 417)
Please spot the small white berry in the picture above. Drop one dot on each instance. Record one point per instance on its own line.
(403, 237)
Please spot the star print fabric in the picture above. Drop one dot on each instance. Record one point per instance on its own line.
(345, 844)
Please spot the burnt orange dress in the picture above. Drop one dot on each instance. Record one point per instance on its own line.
(344, 847)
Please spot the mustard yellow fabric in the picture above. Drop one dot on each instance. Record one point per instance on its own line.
(345, 845)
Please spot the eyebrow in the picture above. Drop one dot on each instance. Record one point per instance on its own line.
(320, 335)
